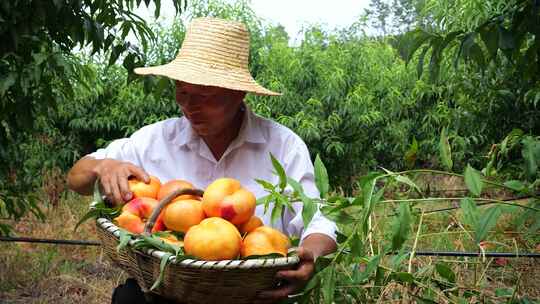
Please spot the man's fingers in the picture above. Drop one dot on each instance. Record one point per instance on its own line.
(139, 173)
(117, 196)
(107, 190)
(303, 273)
(304, 254)
(124, 186)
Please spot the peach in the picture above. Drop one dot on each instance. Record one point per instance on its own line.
(180, 215)
(130, 222)
(172, 240)
(265, 240)
(136, 211)
(253, 223)
(141, 206)
(141, 189)
(214, 239)
(226, 198)
(173, 185)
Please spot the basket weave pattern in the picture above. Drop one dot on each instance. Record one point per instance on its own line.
(193, 281)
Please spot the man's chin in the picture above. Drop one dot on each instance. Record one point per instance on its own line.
(202, 131)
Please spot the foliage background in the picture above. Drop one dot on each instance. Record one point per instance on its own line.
(450, 85)
(360, 101)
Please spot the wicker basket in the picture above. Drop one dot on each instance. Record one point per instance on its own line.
(193, 281)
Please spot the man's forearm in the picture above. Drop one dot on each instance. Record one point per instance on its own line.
(82, 176)
(319, 244)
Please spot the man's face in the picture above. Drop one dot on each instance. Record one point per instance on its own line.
(210, 110)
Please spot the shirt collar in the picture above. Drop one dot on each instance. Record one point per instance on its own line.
(250, 131)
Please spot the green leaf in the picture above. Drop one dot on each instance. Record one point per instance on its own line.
(470, 212)
(90, 214)
(7, 82)
(421, 58)
(506, 39)
(515, 185)
(276, 212)
(379, 281)
(164, 262)
(473, 180)
(411, 154)
(280, 172)
(367, 185)
(155, 242)
(338, 215)
(504, 292)
(409, 43)
(116, 51)
(125, 237)
(321, 177)
(157, 4)
(264, 200)
(531, 155)
(435, 60)
(357, 246)
(263, 256)
(98, 198)
(401, 226)
(309, 207)
(403, 277)
(487, 221)
(328, 285)
(490, 37)
(313, 283)
(266, 185)
(445, 152)
(371, 266)
(445, 272)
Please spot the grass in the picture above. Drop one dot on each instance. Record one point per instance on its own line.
(43, 273)
(40, 273)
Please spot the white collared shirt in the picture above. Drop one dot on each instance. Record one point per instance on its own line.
(171, 149)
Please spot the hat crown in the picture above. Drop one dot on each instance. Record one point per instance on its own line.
(218, 43)
(215, 52)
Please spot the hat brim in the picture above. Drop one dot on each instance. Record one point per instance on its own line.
(201, 74)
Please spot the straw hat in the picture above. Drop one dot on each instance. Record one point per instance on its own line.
(215, 52)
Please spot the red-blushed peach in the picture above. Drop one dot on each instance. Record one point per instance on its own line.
(141, 208)
(130, 222)
(226, 198)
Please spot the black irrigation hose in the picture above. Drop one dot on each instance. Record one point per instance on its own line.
(49, 241)
(417, 253)
(476, 254)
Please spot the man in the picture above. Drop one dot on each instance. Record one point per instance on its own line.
(218, 136)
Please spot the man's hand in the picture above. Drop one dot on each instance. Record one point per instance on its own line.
(313, 246)
(294, 280)
(114, 175)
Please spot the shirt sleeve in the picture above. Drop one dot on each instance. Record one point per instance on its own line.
(120, 149)
(298, 166)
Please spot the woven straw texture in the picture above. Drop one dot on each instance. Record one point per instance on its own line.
(190, 281)
(215, 52)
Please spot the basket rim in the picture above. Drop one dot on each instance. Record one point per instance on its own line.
(109, 227)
